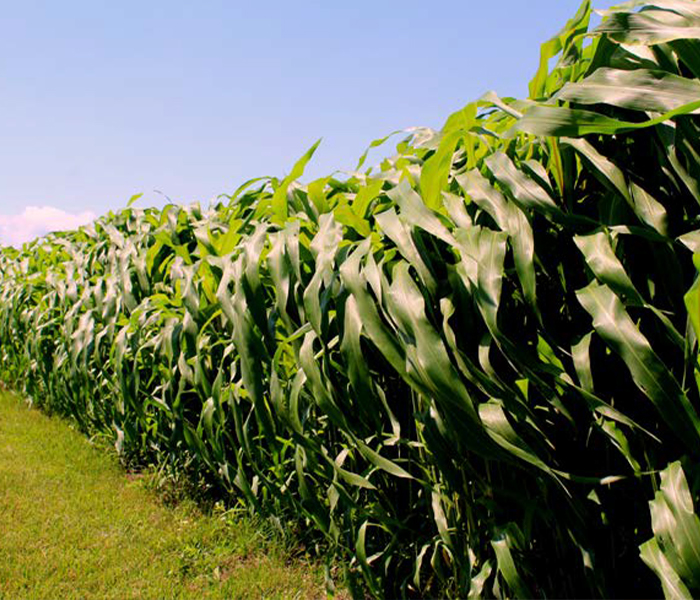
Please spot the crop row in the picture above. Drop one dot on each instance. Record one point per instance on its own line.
(469, 372)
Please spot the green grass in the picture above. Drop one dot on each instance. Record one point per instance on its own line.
(74, 525)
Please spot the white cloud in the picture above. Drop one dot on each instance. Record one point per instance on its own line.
(35, 221)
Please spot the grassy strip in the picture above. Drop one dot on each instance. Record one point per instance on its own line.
(72, 525)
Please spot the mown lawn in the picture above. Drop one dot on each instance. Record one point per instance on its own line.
(74, 525)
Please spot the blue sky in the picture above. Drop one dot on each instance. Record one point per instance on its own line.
(101, 100)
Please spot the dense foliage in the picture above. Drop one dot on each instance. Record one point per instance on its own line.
(472, 371)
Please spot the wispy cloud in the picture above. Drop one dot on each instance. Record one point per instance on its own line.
(35, 221)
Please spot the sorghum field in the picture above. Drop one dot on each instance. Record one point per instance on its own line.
(469, 372)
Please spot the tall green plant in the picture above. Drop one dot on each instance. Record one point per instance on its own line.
(466, 372)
